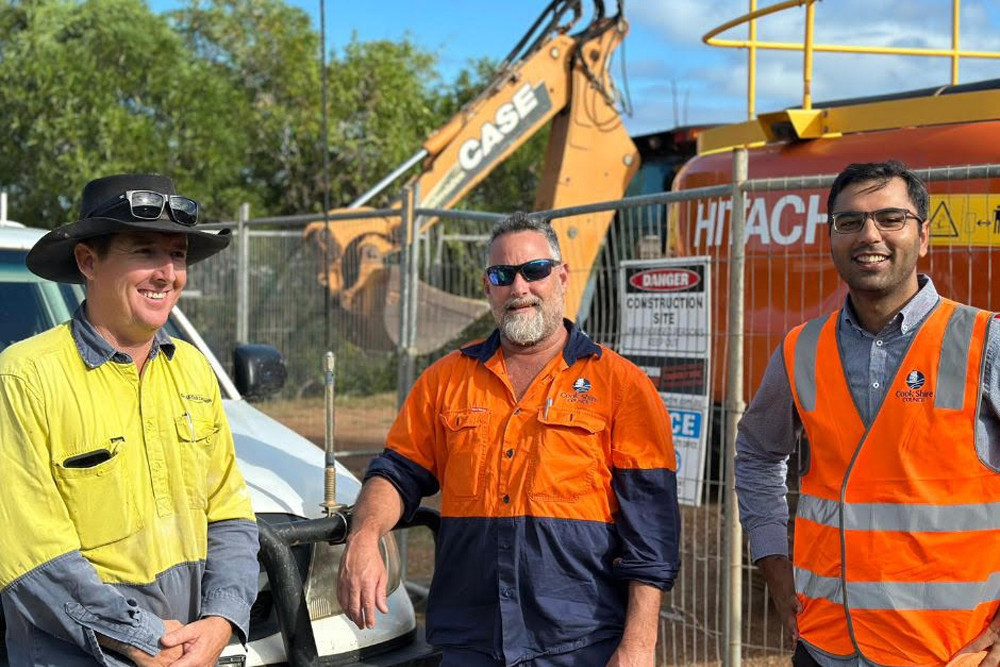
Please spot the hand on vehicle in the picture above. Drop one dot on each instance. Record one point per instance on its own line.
(988, 642)
(777, 571)
(202, 641)
(362, 581)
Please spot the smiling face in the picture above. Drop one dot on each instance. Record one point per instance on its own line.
(527, 313)
(878, 264)
(132, 288)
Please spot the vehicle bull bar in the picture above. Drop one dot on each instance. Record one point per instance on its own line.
(288, 591)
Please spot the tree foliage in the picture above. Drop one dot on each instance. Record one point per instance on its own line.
(225, 97)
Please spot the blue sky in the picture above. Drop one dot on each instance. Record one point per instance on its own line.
(667, 65)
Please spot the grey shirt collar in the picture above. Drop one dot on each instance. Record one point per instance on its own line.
(95, 350)
(912, 314)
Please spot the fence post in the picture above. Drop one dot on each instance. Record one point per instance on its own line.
(243, 276)
(405, 286)
(733, 536)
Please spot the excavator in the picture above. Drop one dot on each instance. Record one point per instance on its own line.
(552, 75)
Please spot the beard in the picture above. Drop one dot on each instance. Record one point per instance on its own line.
(529, 327)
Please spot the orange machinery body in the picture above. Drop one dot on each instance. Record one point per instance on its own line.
(790, 276)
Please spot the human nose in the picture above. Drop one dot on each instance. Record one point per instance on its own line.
(869, 230)
(165, 268)
(520, 284)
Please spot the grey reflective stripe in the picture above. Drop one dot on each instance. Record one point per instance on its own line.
(805, 362)
(949, 394)
(909, 518)
(900, 596)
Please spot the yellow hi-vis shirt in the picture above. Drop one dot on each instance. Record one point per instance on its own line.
(129, 472)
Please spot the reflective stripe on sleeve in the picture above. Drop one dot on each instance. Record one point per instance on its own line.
(900, 596)
(903, 517)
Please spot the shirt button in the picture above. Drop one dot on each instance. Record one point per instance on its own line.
(506, 499)
(506, 593)
(879, 343)
(505, 545)
(510, 453)
(875, 385)
(517, 411)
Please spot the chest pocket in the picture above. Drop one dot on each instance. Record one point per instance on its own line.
(566, 455)
(196, 436)
(465, 438)
(98, 497)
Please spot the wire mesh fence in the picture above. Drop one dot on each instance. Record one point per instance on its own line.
(434, 268)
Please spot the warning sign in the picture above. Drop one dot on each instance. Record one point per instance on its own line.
(666, 331)
(965, 220)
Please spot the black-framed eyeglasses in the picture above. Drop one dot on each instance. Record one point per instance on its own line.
(148, 205)
(502, 275)
(885, 219)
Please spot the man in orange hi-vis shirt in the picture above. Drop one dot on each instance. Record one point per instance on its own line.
(895, 559)
(560, 524)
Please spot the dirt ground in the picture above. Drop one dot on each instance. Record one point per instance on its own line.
(691, 630)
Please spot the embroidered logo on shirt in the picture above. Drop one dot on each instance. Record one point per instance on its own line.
(582, 385)
(196, 398)
(915, 380)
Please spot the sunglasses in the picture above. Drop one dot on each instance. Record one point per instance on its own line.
(149, 205)
(503, 275)
(885, 219)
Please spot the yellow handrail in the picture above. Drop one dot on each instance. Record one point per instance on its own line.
(955, 54)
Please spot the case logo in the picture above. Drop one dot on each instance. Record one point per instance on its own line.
(581, 386)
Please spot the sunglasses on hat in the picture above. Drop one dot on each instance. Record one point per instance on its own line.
(149, 205)
(502, 275)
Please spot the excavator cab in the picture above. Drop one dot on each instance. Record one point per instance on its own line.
(552, 75)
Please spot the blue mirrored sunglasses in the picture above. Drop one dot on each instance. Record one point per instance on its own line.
(502, 275)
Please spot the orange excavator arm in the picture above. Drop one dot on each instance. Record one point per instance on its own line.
(550, 76)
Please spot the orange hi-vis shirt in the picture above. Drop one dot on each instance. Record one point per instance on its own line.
(551, 504)
(896, 524)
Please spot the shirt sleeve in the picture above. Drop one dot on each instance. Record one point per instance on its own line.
(988, 421)
(229, 584)
(766, 436)
(46, 578)
(644, 481)
(409, 462)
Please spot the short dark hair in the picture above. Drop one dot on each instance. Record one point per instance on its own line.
(882, 172)
(519, 221)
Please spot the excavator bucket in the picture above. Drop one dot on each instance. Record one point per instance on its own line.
(441, 316)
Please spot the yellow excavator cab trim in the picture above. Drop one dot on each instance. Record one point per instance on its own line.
(809, 123)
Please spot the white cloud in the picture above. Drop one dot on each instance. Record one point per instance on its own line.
(715, 79)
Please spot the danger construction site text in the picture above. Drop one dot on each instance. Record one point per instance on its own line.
(664, 301)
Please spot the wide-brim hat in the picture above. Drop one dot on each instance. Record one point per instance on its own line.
(52, 256)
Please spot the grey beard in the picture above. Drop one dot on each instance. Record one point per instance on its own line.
(523, 330)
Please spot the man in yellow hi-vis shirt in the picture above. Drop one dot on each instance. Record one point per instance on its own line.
(128, 532)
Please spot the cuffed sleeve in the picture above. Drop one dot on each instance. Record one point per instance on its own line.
(229, 585)
(412, 481)
(65, 598)
(644, 481)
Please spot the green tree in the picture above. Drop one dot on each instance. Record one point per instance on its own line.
(104, 86)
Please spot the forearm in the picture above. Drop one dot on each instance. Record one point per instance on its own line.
(377, 511)
(642, 620)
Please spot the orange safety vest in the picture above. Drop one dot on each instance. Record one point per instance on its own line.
(897, 534)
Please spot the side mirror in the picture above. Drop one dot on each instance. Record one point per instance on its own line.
(258, 371)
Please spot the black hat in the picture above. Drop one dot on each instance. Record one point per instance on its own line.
(52, 256)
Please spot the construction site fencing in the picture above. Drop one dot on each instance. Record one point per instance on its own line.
(718, 610)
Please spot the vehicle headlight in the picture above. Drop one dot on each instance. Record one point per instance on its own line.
(321, 580)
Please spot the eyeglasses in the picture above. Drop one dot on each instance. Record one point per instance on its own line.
(885, 219)
(148, 205)
(503, 275)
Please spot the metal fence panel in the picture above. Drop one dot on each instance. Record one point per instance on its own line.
(789, 278)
